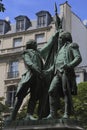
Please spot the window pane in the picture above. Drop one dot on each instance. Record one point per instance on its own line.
(13, 70)
(14, 66)
(11, 91)
(1, 28)
(42, 20)
(17, 42)
(40, 38)
(20, 25)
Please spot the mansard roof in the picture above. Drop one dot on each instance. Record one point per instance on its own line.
(43, 12)
(22, 16)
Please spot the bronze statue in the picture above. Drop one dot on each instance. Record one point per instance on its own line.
(30, 81)
(62, 56)
(63, 83)
(53, 79)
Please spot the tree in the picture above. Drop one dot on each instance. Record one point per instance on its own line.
(3, 108)
(2, 8)
(80, 103)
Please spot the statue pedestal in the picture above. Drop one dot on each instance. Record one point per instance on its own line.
(59, 124)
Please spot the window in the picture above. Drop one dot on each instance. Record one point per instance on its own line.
(20, 25)
(42, 20)
(13, 69)
(1, 28)
(40, 38)
(17, 42)
(10, 96)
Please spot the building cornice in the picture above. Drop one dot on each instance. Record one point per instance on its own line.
(25, 32)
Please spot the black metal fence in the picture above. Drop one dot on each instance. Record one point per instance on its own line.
(13, 74)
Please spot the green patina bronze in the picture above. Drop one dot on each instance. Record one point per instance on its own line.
(63, 84)
(61, 56)
(31, 82)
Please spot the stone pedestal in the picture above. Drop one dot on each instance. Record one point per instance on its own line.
(61, 124)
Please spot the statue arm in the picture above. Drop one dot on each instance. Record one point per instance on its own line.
(46, 49)
(30, 64)
(77, 56)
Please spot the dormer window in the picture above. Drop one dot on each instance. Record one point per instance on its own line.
(22, 23)
(43, 18)
(1, 28)
(4, 26)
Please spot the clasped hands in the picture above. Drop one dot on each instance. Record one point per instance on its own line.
(65, 67)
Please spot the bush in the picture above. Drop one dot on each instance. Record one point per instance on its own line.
(80, 103)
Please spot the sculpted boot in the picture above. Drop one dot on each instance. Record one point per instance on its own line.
(53, 108)
(30, 117)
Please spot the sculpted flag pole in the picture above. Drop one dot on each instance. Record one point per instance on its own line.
(48, 52)
(57, 19)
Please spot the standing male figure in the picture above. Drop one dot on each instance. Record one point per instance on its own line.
(64, 82)
(30, 81)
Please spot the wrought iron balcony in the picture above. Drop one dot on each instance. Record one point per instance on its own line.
(13, 74)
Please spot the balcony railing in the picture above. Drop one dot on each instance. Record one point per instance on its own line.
(13, 74)
(12, 50)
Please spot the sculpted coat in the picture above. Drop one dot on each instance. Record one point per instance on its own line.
(33, 63)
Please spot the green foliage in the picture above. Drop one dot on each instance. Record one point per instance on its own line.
(3, 108)
(23, 112)
(2, 8)
(80, 103)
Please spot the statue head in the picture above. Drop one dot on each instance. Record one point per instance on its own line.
(66, 37)
(31, 44)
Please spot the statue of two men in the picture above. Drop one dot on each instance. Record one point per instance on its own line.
(55, 78)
